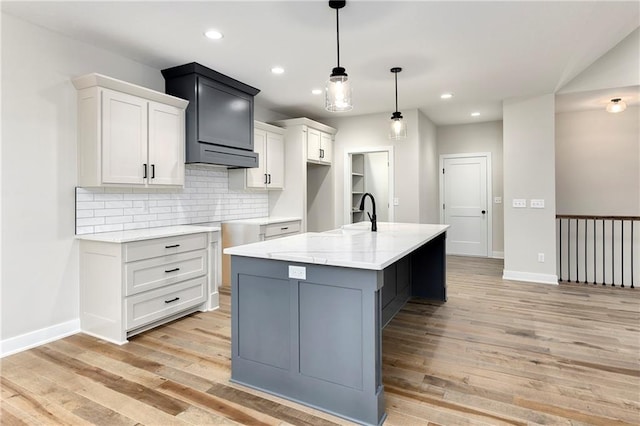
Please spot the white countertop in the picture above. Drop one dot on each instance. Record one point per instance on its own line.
(262, 220)
(352, 246)
(147, 233)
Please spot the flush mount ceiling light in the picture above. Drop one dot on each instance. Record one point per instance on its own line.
(446, 96)
(616, 105)
(213, 34)
(316, 91)
(277, 70)
(398, 129)
(338, 89)
(475, 114)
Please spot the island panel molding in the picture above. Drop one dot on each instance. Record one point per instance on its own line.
(316, 337)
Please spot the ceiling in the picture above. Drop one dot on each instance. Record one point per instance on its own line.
(482, 52)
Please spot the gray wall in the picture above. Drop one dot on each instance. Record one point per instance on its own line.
(529, 173)
(480, 137)
(598, 162)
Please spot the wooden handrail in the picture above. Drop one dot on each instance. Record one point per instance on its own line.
(579, 216)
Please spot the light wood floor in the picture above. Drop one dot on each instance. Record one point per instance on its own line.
(497, 352)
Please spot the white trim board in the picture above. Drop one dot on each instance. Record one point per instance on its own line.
(32, 339)
(530, 277)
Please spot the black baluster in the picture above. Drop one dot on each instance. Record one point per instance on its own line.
(613, 254)
(632, 258)
(622, 252)
(568, 249)
(594, 250)
(560, 250)
(577, 251)
(585, 251)
(604, 270)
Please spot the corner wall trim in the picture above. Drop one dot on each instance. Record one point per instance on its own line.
(32, 339)
(531, 277)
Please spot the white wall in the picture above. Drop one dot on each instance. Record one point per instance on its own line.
(529, 173)
(376, 182)
(598, 162)
(480, 137)
(428, 177)
(368, 131)
(40, 279)
(40, 256)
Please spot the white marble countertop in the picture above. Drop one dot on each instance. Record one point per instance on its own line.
(147, 233)
(352, 246)
(267, 220)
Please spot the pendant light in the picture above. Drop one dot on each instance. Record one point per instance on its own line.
(398, 129)
(338, 89)
(616, 105)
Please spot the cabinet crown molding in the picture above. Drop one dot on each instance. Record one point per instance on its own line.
(95, 79)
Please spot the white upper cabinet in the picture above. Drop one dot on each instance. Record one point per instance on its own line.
(268, 143)
(319, 146)
(128, 135)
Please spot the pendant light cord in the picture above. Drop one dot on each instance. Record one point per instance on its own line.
(396, 76)
(338, 34)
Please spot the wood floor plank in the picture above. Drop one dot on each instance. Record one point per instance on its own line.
(498, 352)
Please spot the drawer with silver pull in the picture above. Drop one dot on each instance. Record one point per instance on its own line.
(281, 229)
(145, 308)
(152, 273)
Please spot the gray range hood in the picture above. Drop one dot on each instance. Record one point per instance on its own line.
(219, 118)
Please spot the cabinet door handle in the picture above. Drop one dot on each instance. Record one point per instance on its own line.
(175, 299)
(144, 167)
(153, 171)
(269, 178)
(172, 246)
(172, 270)
(265, 179)
(322, 153)
(284, 229)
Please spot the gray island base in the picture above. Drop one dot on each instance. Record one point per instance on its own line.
(308, 311)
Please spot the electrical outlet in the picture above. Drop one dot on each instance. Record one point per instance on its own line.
(396, 201)
(519, 203)
(297, 272)
(541, 257)
(497, 200)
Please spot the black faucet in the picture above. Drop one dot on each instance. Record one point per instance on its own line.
(372, 218)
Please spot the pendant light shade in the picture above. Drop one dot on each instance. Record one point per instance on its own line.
(616, 105)
(338, 89)
(398, 127)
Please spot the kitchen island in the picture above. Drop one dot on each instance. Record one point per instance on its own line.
(308, 310)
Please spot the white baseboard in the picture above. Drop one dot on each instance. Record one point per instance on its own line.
(39, 337)
(497, 255)
(531, 277)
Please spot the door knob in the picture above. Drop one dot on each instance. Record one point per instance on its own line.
(483, 211)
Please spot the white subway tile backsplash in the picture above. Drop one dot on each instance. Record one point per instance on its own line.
(204, 198)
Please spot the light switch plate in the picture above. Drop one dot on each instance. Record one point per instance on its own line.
(396, 201)
(519, 203)
(297, 272)
(497, 200)
(537, 204)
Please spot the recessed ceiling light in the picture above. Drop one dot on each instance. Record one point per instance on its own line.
(475, 114)
(213, 34)
(317, 91)
(446, 96)
(277, 70)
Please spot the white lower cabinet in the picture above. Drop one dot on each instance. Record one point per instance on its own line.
(130, 287)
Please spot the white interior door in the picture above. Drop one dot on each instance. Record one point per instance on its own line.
(465, 205)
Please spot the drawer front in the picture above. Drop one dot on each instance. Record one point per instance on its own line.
(148, 274)
(154, 305)
(147, 249)
(282, 229)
